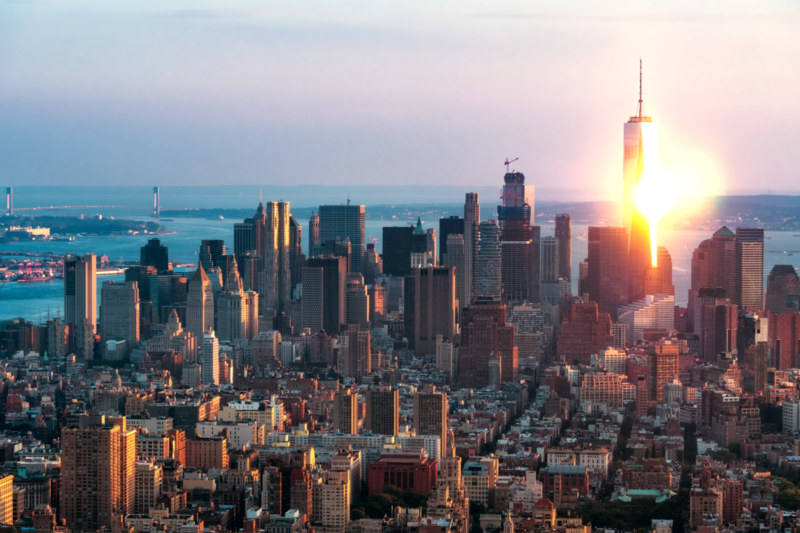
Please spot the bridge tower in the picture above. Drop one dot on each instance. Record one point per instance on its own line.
(10, 201)
(156, 201)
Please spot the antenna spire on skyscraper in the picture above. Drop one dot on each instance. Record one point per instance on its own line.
(641, 105)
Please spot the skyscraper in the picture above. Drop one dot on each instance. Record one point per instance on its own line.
(485, 332)
(357, 302)
(472, 239)
(97, 462)
(244, 237)
(199, 304)
(345, 412)
(295, 251)
(119, 312)
(781, 283)
(638, 129)
(489, 265)
(314, 241)
(434, 307)
(564, 237)
(344, 221)
(639, 249)
(454, 258)
(210, 358)
(448, 226)
(584, 332)
(237, 310)
(155, 254)
(535, 293)
(397, 250)
(749, 268)
(430, 414)
(356, 352)
(607, 280)
(662, 367)
(80, 290)
(324, 293)
(550, 255)
(514, 217)
(383, 410)
(211, 252)
(784, 335)
(275, 288)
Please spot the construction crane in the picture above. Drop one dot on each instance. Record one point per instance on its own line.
(509, 162)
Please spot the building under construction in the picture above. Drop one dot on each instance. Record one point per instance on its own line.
(514, 217)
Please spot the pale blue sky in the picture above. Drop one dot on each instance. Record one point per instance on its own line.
(332, 92)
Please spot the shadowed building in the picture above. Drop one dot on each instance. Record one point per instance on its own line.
(514, 217)
(434, 307)
(484, 334)
(564, 236)
(383, 410)
(607, 278)
(781, 283)
(584, 332)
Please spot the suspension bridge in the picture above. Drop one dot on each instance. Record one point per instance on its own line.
(156, 207)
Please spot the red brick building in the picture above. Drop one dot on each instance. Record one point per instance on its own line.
(783, 338)
(649, 476)
(404, 471)
(207, 453)
(572, 477)
(584, 332)
(484, 331)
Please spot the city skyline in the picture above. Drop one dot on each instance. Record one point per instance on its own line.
(208, 77)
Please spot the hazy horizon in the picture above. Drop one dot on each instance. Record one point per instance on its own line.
(263, 93)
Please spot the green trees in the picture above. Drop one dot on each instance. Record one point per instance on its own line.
(380, 505)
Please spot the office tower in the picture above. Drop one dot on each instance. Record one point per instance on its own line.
(355, 352)
(249, 269)
(716, 323)
(430, 236)
(607, 280)
(638, 129)
(701, 277)
(655, 313)
(430, 414)
(345, 412)
(344, 222)
(564, 238)
(339, 248)
(485, 332)
(445, 353)
(662, 368)
(514, 218)
(585, 331)
(324, 293)
(295, 251)
(550, 257)
(80, 289)
(119, 312)
(409, 311)
(489, 266)
(639, 249)
(434, 307)
(210, 359)
(199, 304)
(373, 264)
(781, 283)
(149, 478)
(535, 293)
(142, 275)
(399, 244)
(453, 225)
(155, 254)
(97, 461)
(357, 302)
(784, 335)
(383, 410)
(583, 276)
(423, 246)
(378, 301)
(762, 353)
(472, 240)
(275, 286)
(244, 237)
(314, 242)
(665, 271)
(749, 268)
(237, 310)
(211, 251)
(454, 258)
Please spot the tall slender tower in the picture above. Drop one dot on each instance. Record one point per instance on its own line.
(515, 234)
(564, 236)
(80, 289)
(472, 237)
(276, 289)
(199, 304)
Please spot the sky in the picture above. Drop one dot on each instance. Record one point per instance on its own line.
(332, 92)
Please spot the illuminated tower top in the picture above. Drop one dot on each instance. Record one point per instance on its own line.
(640, 116)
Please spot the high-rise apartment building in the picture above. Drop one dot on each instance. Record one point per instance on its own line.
(489, 265)
(345, 412)
(484, 333)
(662, 368)
(782, 282)
(210, 359)
(564, 238)
(434, 307)
(324, 294)
(607, 280)
(119, 312)
(332, 500)
(472, 239)
(154, 254)
(211, 252)
(344, 222)
(514, 218)
(80, 290)
(149, 480)
(355, 352)
(585, 331)
(97, 465)
(199, 304)
(383, 410)
(430, 414)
